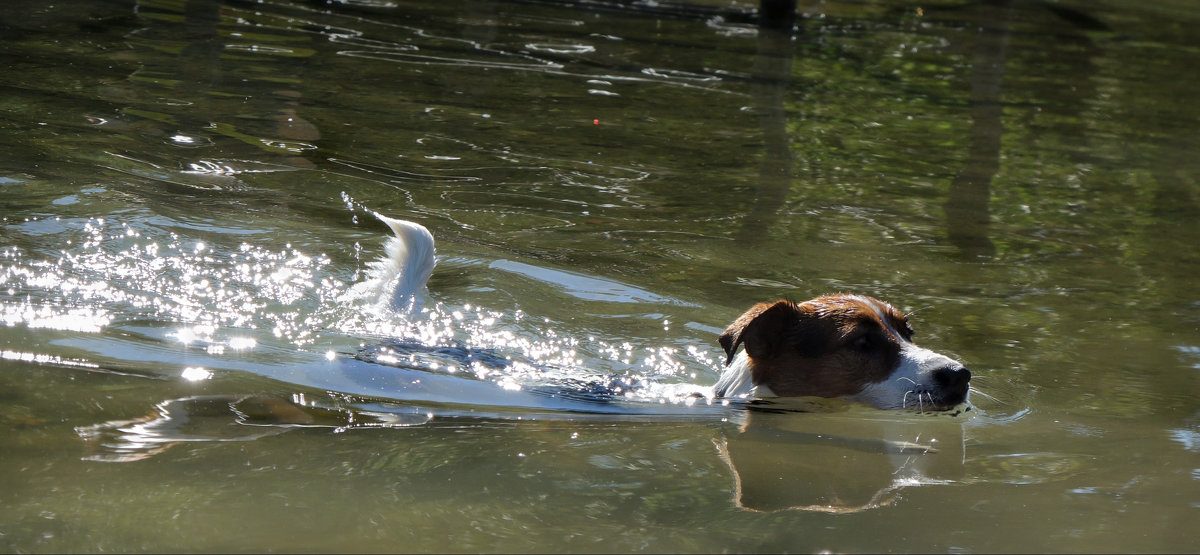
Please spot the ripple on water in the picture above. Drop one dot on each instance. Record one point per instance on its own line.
(561, 48)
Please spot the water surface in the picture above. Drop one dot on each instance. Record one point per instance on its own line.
(187, 189)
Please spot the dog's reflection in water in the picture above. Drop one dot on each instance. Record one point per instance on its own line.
(835, 457)
(837, 460)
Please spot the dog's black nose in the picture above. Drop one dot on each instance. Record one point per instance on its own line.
(952, 378)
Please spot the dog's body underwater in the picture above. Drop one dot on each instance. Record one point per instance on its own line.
(835, 346)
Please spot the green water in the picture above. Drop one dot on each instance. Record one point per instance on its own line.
(186, 188)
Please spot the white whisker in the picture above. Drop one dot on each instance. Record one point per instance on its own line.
(976, 391)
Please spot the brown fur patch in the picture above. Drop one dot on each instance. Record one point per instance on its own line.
(830, 346)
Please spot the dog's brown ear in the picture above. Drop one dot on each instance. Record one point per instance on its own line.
(762, 329)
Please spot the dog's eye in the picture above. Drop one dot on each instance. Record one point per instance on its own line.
(863, 343)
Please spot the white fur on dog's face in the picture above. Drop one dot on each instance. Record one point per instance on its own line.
(848, 346)
(914, 383)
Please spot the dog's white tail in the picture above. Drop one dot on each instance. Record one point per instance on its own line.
(398, 278)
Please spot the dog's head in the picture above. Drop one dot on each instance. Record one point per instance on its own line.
(850, 346)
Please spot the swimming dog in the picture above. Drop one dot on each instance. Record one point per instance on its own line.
(846, 346)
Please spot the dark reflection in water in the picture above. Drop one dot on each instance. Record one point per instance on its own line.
(772, 80)
(781, 461)
(970, 192)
